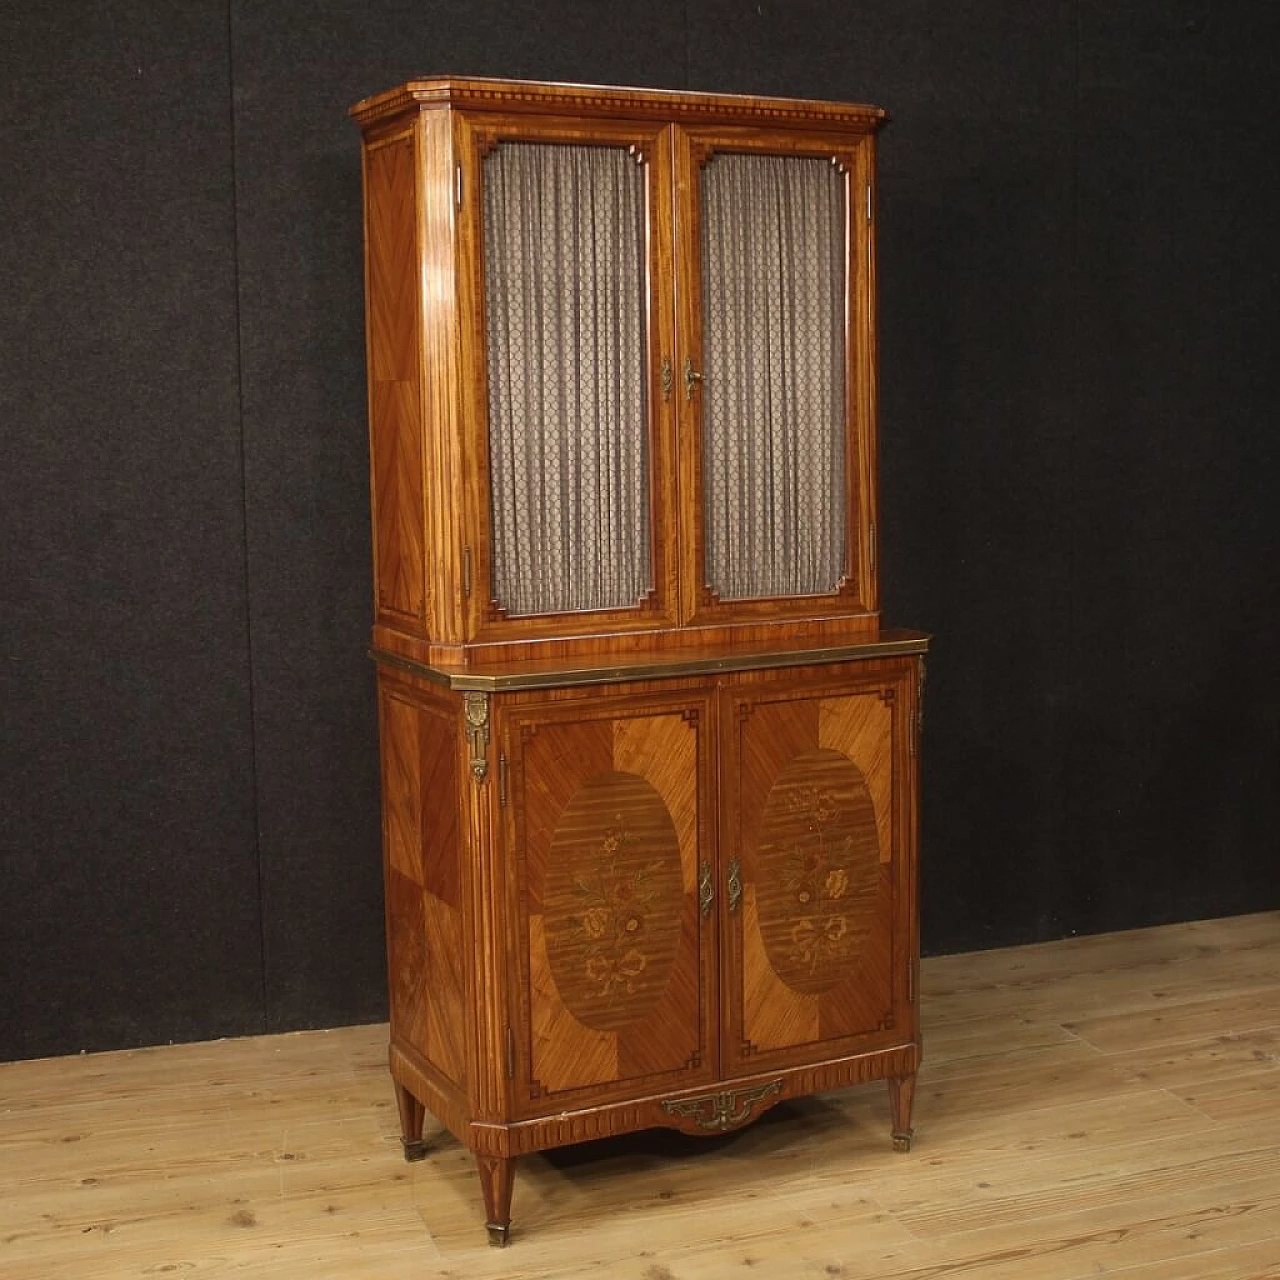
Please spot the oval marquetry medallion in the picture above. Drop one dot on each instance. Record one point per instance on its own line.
(611, 910)
(819, 871)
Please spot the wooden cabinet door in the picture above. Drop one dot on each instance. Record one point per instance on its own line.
(816, 834)
(565, 286)
(609, 822)
(775, 374)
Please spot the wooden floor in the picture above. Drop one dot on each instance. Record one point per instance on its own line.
(1097, 1107)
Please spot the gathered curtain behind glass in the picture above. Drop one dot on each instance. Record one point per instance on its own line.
(773, 324)
(568, 439)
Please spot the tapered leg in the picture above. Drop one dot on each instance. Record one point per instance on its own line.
(497, 1177)
(412, 1117)
(902, 1092)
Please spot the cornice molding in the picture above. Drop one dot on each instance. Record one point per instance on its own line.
(670, 104)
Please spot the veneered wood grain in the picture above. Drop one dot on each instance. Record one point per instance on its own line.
(424, 917)
(395, 424)
(821, 953)
(607, 832)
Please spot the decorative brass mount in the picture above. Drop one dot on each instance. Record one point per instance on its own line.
(476, 710)
(735, 885)
(724, 1109)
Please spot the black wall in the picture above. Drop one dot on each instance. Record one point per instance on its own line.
(1079, 272)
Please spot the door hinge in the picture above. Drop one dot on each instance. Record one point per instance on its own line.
(911, 982)
(920, 702)
(466, 572)
(502, 779)
(511, 1053)
(868, 202)
(871, 545)
(457, 186)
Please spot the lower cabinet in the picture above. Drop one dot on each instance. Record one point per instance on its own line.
(665, 902)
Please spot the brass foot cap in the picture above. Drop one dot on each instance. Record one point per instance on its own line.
(902, 1141)
(498, 1233)
(414, 1148)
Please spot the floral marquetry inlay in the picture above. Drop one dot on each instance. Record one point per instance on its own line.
(612, 908)
(819, 874)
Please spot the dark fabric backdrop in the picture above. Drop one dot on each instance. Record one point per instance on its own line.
(1079, 273)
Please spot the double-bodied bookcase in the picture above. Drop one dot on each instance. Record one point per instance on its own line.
(649, 759)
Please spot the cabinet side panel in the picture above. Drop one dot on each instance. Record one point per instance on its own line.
(422, 849)
(395, 426)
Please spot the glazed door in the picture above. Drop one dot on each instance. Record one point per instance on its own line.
(777, 425)
(609, 817)
(816, 831)
(564, 239)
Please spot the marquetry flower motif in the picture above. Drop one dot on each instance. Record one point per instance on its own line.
(595, 923)
(816, 875)
(612, 914)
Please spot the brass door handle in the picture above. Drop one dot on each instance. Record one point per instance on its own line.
(691, 378)
(706, 889)
(735, 885)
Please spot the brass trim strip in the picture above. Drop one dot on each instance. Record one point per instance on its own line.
(659, 668)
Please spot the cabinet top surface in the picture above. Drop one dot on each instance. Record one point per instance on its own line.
(483, 94)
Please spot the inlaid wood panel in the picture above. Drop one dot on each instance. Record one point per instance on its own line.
(423, 902)
(811, 822)
(819, 870)
(395, 427)
(607, 815)
(611, 911)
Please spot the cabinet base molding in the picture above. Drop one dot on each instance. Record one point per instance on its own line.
(730, 1105)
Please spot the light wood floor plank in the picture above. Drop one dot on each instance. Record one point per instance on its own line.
(1100, 1106)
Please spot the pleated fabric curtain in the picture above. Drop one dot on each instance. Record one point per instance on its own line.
(565, 318)
(773, 296)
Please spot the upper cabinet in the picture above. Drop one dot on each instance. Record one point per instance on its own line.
(622, 368)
